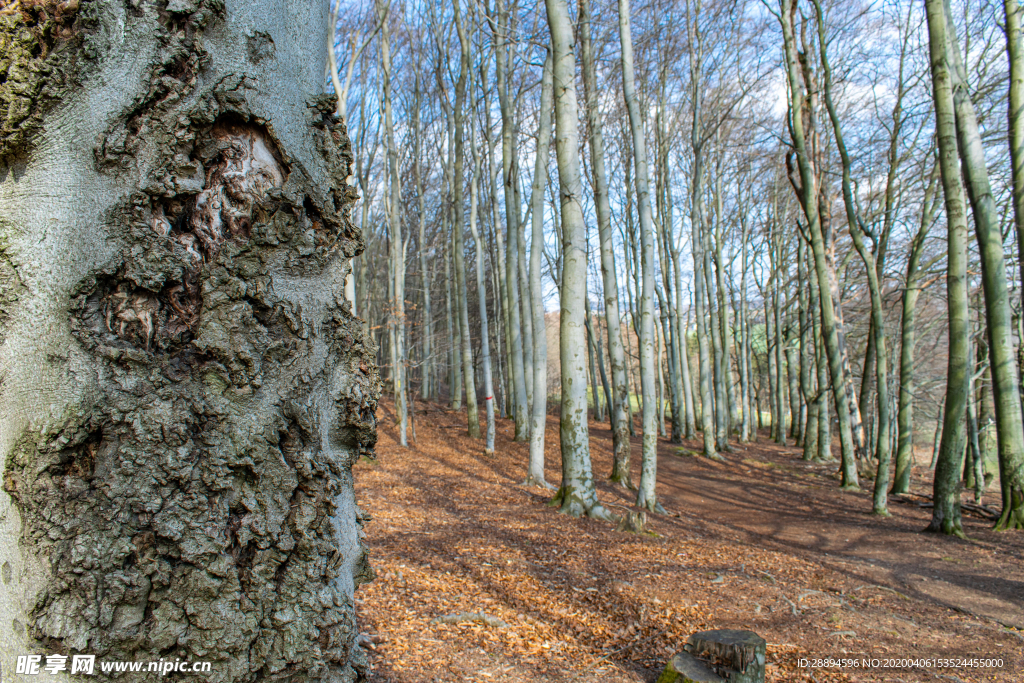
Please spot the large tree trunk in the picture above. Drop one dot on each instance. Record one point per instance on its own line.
(998, 316)
(184, 389)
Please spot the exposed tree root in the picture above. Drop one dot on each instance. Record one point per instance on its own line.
(948, 528)
(569, 503)
(539, 482)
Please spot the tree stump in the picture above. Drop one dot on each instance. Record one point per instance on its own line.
(718, 656)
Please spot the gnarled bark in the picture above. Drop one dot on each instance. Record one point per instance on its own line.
(184, 388)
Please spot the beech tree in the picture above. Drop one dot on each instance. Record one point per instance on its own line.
(576, 495)
(946, 514)
(995, 285)
(184, 387)
(646, 495)
(539, 416)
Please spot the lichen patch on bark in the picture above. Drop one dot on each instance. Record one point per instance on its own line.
(11, 288)
(39, 41)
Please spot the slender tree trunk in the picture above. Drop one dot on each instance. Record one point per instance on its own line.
(728, 408)
(821, 367)
(499, 260)
(667, 310)
(497, 251)
(620, 386)
(697, 219)
(509, 173)
(601, 365)
(426, 385)
(539, 408)
(946, 513)
(628, 322)
(707, 415)
(717, 383)
(661, 374)
(454, 339)
(877, 327)
(363, 178)
(810, 429)
(779, 418)
(987, 441)
(577, 495)
(1015, 99)
(670, 305)
(809, 200)
(646, 494)
(905, 415)
(485, 341)
(681, 331)
(397, 328)
(452, 318)
(972, 463)
(527, 316)
(744, 341)
(591, 349)
(796, 404)
(458, 242)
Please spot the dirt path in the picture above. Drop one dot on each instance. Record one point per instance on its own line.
(764, 542)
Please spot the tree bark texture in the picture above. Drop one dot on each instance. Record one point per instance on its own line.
(184, 389)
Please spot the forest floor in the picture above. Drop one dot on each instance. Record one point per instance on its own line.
(763, 541)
